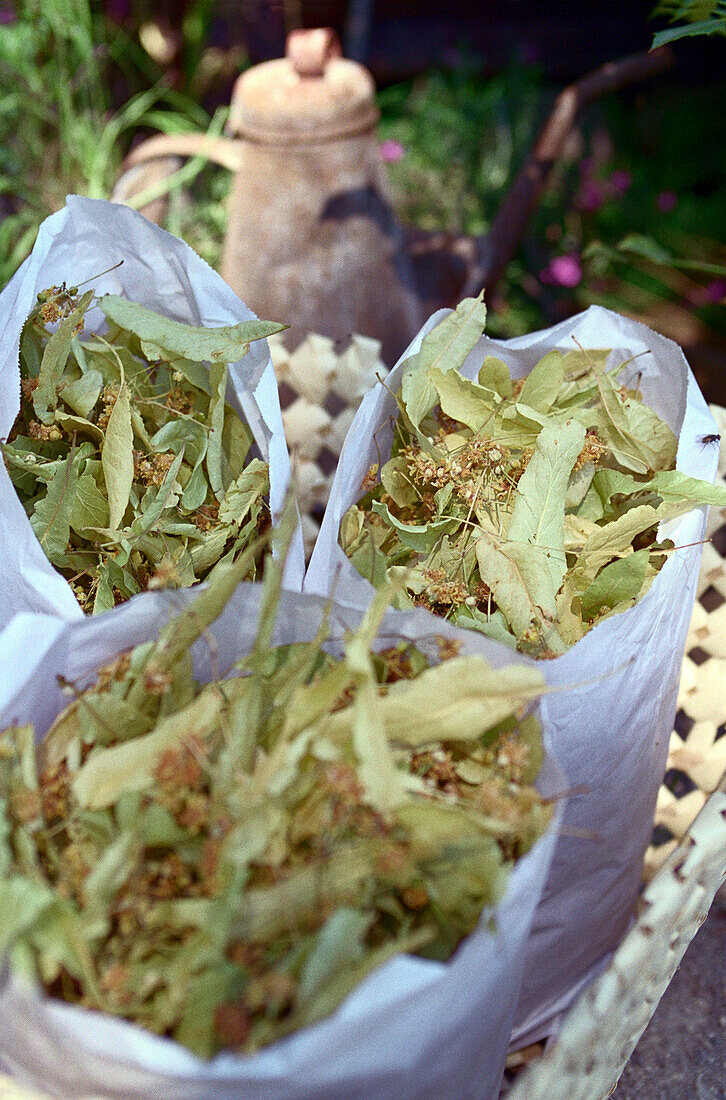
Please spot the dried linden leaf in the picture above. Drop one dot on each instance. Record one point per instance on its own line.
(618, 582)
(443, 349)
(51, 519)
(538, 516)
(117, 458)
(640, 440)
(543, 384)
(520, 579)
(163, 338)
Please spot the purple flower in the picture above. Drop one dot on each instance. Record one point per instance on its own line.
(392, 151)
(563, 271)
(710, 295)
(7, 15)
(667, 201)
(621, 181)
(716, 291)
(590, 196)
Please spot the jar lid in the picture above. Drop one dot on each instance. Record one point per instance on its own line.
(312, 94)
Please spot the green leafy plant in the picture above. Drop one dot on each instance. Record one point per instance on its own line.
(648, 166)
(61, 130)
(454, 142)
(695, 17)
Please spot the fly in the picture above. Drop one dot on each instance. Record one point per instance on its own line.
(707, 440)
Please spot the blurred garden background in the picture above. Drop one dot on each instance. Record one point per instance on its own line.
(633, 214)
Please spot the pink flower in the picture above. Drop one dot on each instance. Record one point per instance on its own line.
(563, 271)
(710, 295)
(716, 291)
(392, 151)
(590, 196)
(621, 180)
(666, 201)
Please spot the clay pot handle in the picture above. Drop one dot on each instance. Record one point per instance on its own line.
(309, 51)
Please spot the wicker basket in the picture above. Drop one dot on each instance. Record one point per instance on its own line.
(320, 388)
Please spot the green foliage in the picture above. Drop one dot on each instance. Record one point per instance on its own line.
(635, 204)
(464, 138)
(61, 66)
(694, 17)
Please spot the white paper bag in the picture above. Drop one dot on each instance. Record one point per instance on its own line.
(414, 1029)
(610, 714)
(164, 274)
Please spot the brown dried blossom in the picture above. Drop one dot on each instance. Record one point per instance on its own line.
(593, 450)
(151, 469)
(109, 396)
(370, 479)
(46, 433)
(206, 517)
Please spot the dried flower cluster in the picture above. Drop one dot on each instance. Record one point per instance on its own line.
(125, 453)
(527, 510)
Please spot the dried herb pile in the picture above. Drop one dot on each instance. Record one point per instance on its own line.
(527, 510)
(133, 468)
(223, 863)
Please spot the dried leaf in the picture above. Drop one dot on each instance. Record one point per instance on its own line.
(443, 349)
(463, 400)
(383, 785)
(51, 519)
(218, 384)
(90, 507)
(671, 486)
(337, 946)
(82, 394)
(420, 538)
(78, 425)
(55, 357)
(611, 541)
(538, 516)
(456, 701)
(494, 375)
(640, 440)
(163, 338)
(251, 486)
(618, 582)
(117, 458)
(543, 384)
(397, 482)
(520, 579)
(129, 766)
